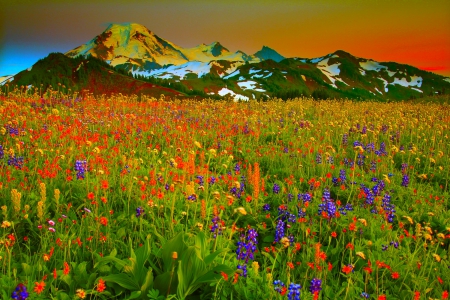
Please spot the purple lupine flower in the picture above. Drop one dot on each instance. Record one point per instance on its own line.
(20, 292)
(139, 211)
(316, 285)
(294, 291)
(80, 168)
(405, 180)
(279, 231)
(276, 188)
(278, 286)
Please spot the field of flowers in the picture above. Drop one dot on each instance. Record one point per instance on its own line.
(115, 198)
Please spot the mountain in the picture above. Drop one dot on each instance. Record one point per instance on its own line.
(131, 59)
(268, 53)
(85, 74)
(133, 47)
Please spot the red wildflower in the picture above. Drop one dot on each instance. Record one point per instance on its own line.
(91, 196)
(105, 184)
(224, 275)
(39, 287)
(103, 221)
(334, 234)
(445, 295)
(416, 295)
(66, 268)
(347, 269)
(395, 275)
(101, 285)
(382, 297)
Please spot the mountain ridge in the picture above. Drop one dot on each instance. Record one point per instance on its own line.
(211, 69)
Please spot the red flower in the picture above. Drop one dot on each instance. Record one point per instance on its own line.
(334, 234)
(101, 285)
(105, 184)
(90, 196)
(445, 295)
(416, 295)
(103, 221)
(290, 265)
(39, 287)
(382, 297)
(395, 275)
(347, 269)
(224, 275)
(66, 268)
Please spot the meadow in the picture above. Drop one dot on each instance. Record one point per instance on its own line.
(128, 197)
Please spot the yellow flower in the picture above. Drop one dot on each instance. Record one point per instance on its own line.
(81, 294)
(359, 149)
(197, 144)
(409, 219)
(437, 257)
(363, 221)
(6, 224)
(360, 254)
(241, 210)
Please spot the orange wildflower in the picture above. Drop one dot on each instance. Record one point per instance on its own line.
(39, 287)
(101, 285)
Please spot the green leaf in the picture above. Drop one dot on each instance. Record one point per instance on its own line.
(210, 258)
(162, 281)
(272, 260)
(148, 281)
(135, 294)
(201, 244)
(123, 280)
(26, 268)
(108, 259)
(176, 244)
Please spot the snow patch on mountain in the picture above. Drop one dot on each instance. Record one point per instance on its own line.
(331, 71)
(371, 65)
(5, 79)
(385, 84)
(415, 81)
(199, 68)
(232, 74)
(316, 60)
(249, 84)
(390, 73)
(237, 97)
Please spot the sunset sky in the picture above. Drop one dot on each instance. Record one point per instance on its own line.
(413, 32)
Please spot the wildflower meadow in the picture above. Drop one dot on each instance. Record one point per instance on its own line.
(128, 197)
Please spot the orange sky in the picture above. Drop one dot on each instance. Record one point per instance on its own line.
(413, 32)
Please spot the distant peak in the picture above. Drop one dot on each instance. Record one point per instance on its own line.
(268, 53)
(341, 53)
(128, 26)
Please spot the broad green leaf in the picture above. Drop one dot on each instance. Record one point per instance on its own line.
(210, 258)
(135, 295)
(123, 280)
(162, 281)
(176, 244)
(148, 281)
